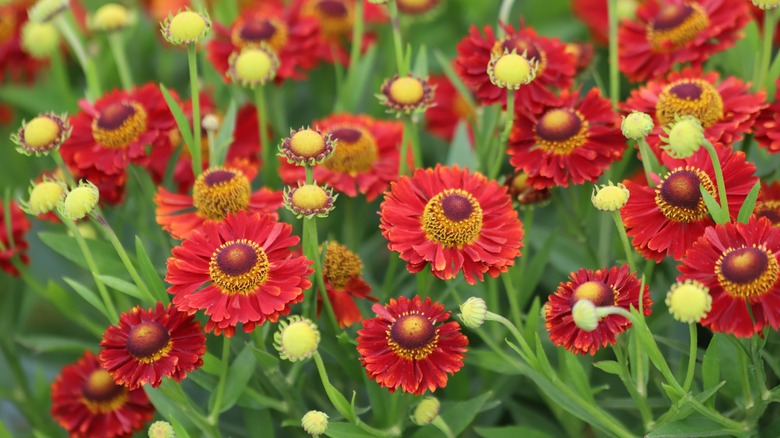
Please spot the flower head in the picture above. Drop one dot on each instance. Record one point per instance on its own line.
(636, 125)
(426, 411)
(309, 200)
(253, 66)
(40, 40)
(79, 201)
(689, 301)
(186, 27)
(584, 315)
(686, 136)
(766, 4)
(161, 429)
(342, 272)
(406, 95)
(510, 70)
(473, 312)
(46, 10)
(315, 423)
(307, 147)
(44, 196)
(296, 339)
(42, 134)
(609, 197)
(111, 17)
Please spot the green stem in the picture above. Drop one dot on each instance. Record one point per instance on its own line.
(530, 355)
(624, 240)
(694, 350)
(118, 50)
(511, 294)
(120, 250)
(397, 42)
(770, 18)
(87, 66)
(55, 154)
(215, 411)
(440, 424)
(318, 279)
(269, 163)
(503, 14)
(724, 204)
(502, 146)
(195, 149)
(214, 158)
(639, 399)
(414, 137)
(647, 161)
(402, 162)
(614, 79)
(357, 39)
(26, 398)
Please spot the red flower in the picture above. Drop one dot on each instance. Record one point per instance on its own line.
(556, 67)
(366, 158)
(667, 220)
(407, 347)
(87, 403)
(453, 220)
(739, 264)
(342, 270)
(216, 193)
(725, 108)
(19, 226)
(582, 53)
(114, 131)
(667, 32)
(336, 19)
(149, 345)
(449, 108)
(767, 127)
(571, 139)
(769, 202)
(613, 287)
(249, 271)
(14, 61)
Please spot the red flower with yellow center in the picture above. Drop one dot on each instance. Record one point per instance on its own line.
(409, 346)
(616, 286)
(87, 402)
(571, 139)
(556, 68)
(767, 127)
(667, 32)
(740, 264)
(449, 108)
(667, 219)
(18, 247)
(769, 203)
(365, 159)
(336, 19)
(726, 109)
(249, 272)
(149, 345)
(342, 271)
(14, 61)
(453, 220)
(114, 131)
(216, 193)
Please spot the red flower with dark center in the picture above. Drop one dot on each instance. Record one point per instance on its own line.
(613, 287)
(365, 160)
(740, 264)
(582, 53)
(449, 108)
(571, 139)
(725, 108)
(216, 193)
(114, 131)
(18, 246)
(767, 126)
(87, 403)
(336, 19)
(249, 272)
(342, 271)
(769, 203)
(667, 220)
(14, 61)
(409, 346)
(556, 68)
(667, 32)
(149, 345)
(453, 220)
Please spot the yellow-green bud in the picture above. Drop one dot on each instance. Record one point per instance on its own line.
(315, 423)
(689, 301)
(80, 201)
(42, 134)
(686, 136)
(766, 4)
(473, 312)
(44, 196)
(511, 70)
(40, 40)
(609, 197)
(637, 125)
(161, 429)
(211, 122)
(296, 339)
(45, 10)
(584, 314)
(253, 66)
(426, 411)
(186, 27)
(309, 200)
(306, 146)
(111, 17)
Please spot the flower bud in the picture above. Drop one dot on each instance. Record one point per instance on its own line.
(44, 196)
(426, 411)
(44, 11)
(609, 197)
(186, 27)
(40, 40)
(584, 314)
(636, 125)
(689, 301)
(686, 136)
(511, 70)
(309, 200)
(111, 17)
(161, 429)
(296, 339)
(253, 66)
(80, 201)
(315, 423)
(473, 312)
(307, 147)
(42, 134)
(766, 4)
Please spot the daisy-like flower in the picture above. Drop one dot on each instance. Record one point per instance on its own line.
(42, 134)
(521, 191)
(87, 402)
(767, 127)
(216, 193)
(769, 202)
(582, 53)
(309, 200)
(10, 249)
(114, 131)
(148, 345)
(573, 139)
(667, 32)
(448, 109)
(726, 108)
(616, 286)
(409, 345)
(740, 264)
(453, 220)
(365, 160)
(667, 219)
(342, 271)
(249, 272)
(15, 62)
(406, 95)
(595, 15)
(556, 68)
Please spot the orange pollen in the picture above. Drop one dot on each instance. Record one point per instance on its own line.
(690, 97)
(258, 30)
(678, 196)
(561, 131)
(676, 25)
(220, 191)
(462, 108)
(100, 394)
(8, 24)
(341, 265)
(747, 272)
(119, 124)
(356, 150)
(239, 266)
(412, 336)
(149, 342)
(597, 292)
(521, 46)
(452, 218)
(336, 17)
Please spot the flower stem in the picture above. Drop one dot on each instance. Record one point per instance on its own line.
(120, 250)
(440, 424)
(397, 41)
(414, 138)
(624, 240)
(86, 63)
(639, 399)
(691, 358)
(770, 19)
(503, 13)
(724, 204)
(118, 50)
(502, 146)
(647, 161)
(530, 355)
(195, 150)
(65, 170)
(614, 78)
(511, 294)
(215, 410)
(402, 162)
(269, 164)
(313, 252)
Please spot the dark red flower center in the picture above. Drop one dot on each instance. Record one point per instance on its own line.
(558, 125)
(676, 25)
(769, 210)
(239, 266)
(413, 332)
(219, 191)
(218, 176)
(747, 272)
(679, 196)
(147, 339)
(452, 218)
(686, 90)
(333, 8)
(236, 259)
(119, 124)
(100, 387)
(356, 150)
(671, 16)
(456, 207)
(521, 46)
(596, 292)
(346, 134)
(690, 97)
(257, 29)
(113, 116)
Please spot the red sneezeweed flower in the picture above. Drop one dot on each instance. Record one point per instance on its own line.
(249, 272)
(14, 61)
(739, 263)
(449, 108)
(574, 139)
(365, 160)
(667, 219)
(406, 346)
(216, 193)
(667, 32)
(87, 402)
(616, 286)
(453, 220)
(582, 53)
(767, 126)
(149, 345)
(556, 68)
(19, 226)
(725, 108)
(114, 131)
(769, 202)
(342, 271)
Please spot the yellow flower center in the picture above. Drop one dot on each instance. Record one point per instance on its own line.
(299, 339)
(690, 97)
(119, 124)
(689, 302)
(341, 265)
(111, 16)
(747, 272)
(219, 191)
(100, 394)
(678, 196)
(149, 342)
(513, 69)
(307, 143)
(81, 201)
(254, 65)
(521, 46)
(40, 132)
(310, 197)
(187, 26)
(596, 292)
(7, 26)
(412, 336)
(406, 91)
(453, 218)
(676, 25)
(45, 196)
(239, 266)
(336, 17)
(355, 152)
(257, 30)
(561, 131)
(769, 210)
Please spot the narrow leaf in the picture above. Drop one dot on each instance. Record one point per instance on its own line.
(225, 136)
(712, 205)
(178, 114)
(123, 286)
(461, 152)
(88, 294)
(238, 376)
(421, 63)
(149, 273)
(608, 366)
(710, 367)
(749, 205)
(446, 66)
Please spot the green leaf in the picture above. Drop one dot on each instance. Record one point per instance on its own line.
(710, 367)
(88, 294)
(695, 425)
(491, 361)
(749, 205)
(458, 416)
(149, 274)
(345, 430)
(578, 379)
(265, 359)
(774, 72)
(421, 63)
(538, 264)
(446, 67)
(532, 320)
(712, 205)
(461, 152)
(608, 366)
(123, 286)
(211, 364)
(47, 344)
(358, 81)
(511, 432)
(104, 254)
(225, 135)
(178, 428)
(241, 370)
(181, 119)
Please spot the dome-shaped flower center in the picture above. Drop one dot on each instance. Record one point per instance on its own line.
(596, 292)
(521, 46)
(341, 265)
(747, 272)
(119, 124)
(453, 218)
(219, 191)
(689, 97)
(416, 7)
(769, 210)
(356, 150)
(308, 143)
(149, 341)
(560, 131)
(676, 25)
(8, 23)
(678, 196)
(41, 132)
(310, 197)
(101, 394)
(413, 336)
(239, 266)
(406, 91)
(257, 30)
(335, 16)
